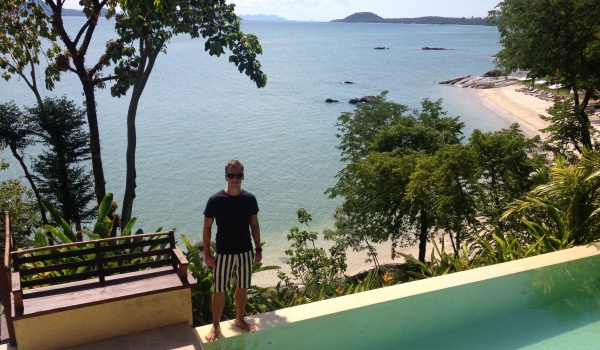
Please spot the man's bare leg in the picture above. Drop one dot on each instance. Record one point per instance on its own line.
(218, 303)
(240, 309)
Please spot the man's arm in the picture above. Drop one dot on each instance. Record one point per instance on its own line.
(255, 230)
(209, 259)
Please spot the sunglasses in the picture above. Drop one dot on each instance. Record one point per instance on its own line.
(231, 176)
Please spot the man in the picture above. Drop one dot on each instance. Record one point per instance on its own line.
(235, 212)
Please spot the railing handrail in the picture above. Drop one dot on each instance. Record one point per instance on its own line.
(110, 239)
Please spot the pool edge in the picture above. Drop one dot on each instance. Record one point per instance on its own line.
(343, 303)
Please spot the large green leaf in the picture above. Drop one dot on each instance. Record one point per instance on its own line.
(40, 240)
(59, 220)
(127, 229)
(103, 224)
(62, 237)
(104, 207)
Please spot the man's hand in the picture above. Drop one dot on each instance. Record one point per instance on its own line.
(257, 258)
(209, 260)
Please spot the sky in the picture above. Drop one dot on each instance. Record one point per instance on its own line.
(327, 10)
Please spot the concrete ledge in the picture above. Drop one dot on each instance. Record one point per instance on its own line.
(97, 322)
(336, 305)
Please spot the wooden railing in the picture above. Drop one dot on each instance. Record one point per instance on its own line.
(97, 259)
(5, 283)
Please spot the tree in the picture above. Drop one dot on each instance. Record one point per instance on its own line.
(145, 27)
(21, 42)
(504, 161)
(449, 181)
(16, 134)
(24, 214)
(383, 147)
(556, 39)
(309, 263)
(565, 131)
(30, 22)
(566, 194)
(3, 164)
(59, 125)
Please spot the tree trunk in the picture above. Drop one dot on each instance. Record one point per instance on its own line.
(147, 60)
(130, 183)
(86, 77)
(423, 236)
(29, 178)
(92, 117)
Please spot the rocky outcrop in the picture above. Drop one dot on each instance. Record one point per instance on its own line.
(364, 99)
(478, 82)
(330, 100)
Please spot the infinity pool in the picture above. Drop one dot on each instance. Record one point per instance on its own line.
(546, 302)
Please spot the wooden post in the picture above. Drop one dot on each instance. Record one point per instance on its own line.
(5, 285)
(99, 261)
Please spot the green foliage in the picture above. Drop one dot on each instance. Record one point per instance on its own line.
(24, 215)
(62, 232)
(440, 262)
(153, 24)
(566, 195)
(14, 131)
(201, 294)
(505, 246)
(499, 247)
(59, 125)
(388, 188)
(309, 263)
(279, 297)
(558, 40)
(145, 28)
(448, 177)
(504, 160)
(23, 34)
(16, 135)
(409, 175)
(566, 138)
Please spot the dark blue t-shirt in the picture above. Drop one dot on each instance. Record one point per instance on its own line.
(232, 215)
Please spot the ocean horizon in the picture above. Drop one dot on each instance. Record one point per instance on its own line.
(198, 112)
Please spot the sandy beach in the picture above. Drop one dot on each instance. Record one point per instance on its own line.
(506, 103)
(515, 107)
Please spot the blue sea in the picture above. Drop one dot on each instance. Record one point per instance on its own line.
(198, 112)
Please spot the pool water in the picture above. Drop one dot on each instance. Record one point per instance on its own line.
(553, 307)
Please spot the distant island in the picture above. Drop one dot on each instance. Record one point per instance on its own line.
(73, 12)
(370, 17)
(261, 17)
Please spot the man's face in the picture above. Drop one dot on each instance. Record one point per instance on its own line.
(234, 176)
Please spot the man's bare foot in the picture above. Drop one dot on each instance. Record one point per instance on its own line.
(213, 334)
(245, 326)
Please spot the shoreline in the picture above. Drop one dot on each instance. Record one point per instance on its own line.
(503, 102)
(515, 107)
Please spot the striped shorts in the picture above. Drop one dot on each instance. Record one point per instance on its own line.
(226, 265)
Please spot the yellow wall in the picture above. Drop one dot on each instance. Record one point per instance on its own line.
(104, 321)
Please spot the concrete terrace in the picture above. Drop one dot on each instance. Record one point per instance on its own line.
(182, 336)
